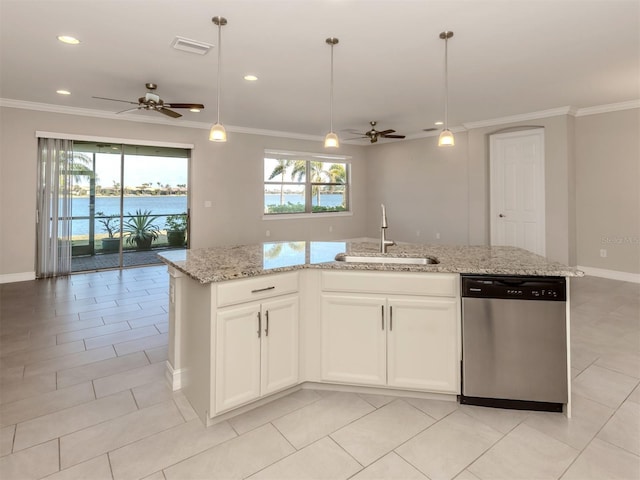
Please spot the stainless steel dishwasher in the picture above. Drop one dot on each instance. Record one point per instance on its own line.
(514, 342)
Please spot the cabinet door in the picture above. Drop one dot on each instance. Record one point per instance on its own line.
(279, 344)
(353, 339)
(423, 344)
(237, 356)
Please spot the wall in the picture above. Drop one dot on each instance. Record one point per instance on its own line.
(608, 190)
(424, 189)
(229, 175)
(559, 184)
(592, 176)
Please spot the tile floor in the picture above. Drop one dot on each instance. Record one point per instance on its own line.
(83, 396)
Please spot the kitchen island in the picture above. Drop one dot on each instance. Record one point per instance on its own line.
(250, 323)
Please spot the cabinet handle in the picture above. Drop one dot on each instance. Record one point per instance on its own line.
(259, 324)
(266, 330)
(258, 290)
(390, 318)
(382, 314)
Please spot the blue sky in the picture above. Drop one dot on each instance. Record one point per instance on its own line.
(139, 170)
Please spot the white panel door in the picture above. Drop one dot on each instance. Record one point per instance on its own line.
(354, 339)
(237, 356)
(518, 190)
(279, 344)
(422, 343)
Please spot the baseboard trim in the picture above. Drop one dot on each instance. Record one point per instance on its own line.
(174, 377)
(611, 274)
(17, 277)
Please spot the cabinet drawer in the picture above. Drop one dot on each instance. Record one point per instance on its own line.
(434, 284)
(240, 291)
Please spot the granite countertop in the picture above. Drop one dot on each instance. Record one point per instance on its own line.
(218, 264)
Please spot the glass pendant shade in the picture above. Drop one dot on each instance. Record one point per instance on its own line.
(446, 139)
(218, 133)
(331, 140)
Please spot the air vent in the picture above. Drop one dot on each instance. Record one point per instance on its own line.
(191, 46)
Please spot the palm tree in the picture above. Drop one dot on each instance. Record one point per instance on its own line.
(280, 169)
(337, 173)
(81, 166)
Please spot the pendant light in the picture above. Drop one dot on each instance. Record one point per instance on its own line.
(331, 140)
(217, 132)
(446, 137)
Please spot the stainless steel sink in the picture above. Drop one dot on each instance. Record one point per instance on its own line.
(426, 260)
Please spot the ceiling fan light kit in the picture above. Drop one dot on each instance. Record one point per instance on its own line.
(331, 140)
(446, 137)
(217, 132)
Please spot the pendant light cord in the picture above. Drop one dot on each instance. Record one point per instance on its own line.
(446, 82)
(331, 94)
(219, 68)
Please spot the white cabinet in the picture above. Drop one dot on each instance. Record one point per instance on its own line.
(394, 340)
(256, 350)
(422, 344)
(353, 340)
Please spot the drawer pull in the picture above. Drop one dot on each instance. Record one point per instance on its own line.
(258, 290)
(382, 315)
(266, 329)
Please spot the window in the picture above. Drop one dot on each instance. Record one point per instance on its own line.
(297, 183)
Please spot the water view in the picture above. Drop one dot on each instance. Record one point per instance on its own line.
(158, 205)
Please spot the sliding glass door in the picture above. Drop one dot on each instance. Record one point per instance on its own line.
(129, 202)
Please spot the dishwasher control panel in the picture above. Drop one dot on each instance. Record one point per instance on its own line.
(516, 287)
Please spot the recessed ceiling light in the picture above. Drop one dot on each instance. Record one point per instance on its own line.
(250, 78)
(63, 92)
(68, 39)
(194, 110)
(439, 123)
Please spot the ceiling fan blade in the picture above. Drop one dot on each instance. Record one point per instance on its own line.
(168, 112)
(386, 132)
(393, 136)
(184, 105)
(128, 110)
(116, 100)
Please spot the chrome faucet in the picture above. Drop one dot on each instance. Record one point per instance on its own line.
(384, 243)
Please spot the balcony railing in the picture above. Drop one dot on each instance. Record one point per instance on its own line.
(91, 236)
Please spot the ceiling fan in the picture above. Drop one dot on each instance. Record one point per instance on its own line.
(152, 101)
(374, 134)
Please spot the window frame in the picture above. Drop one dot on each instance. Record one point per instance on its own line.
(307, 184)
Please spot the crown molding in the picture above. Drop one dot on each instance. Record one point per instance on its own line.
(86, 112)
(612, 107)
(46, 107)
(434, 133)
(554, 112)
(273, 133)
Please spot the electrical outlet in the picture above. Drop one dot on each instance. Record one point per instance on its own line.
(268, 233)
(207, 204)
(603, 252)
